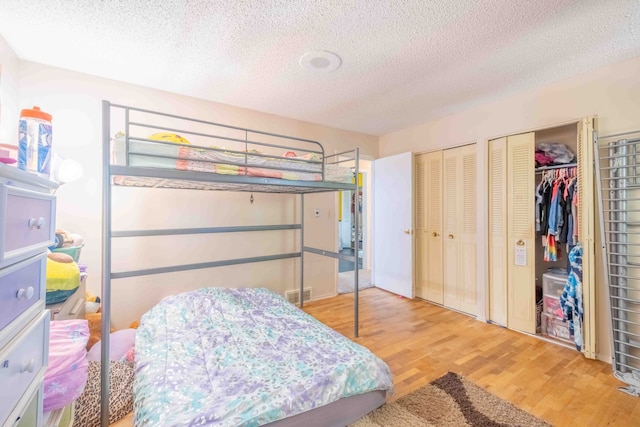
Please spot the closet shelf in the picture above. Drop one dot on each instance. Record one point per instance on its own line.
(566, 165)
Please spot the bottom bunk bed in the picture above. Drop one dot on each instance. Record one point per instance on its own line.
(247, 357)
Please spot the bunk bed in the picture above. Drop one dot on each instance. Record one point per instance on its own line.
(145, 148)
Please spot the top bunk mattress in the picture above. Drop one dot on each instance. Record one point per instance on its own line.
(229, 357)
(182, 157)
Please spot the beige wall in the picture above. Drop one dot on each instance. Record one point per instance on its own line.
(612, 93)
(74, 100)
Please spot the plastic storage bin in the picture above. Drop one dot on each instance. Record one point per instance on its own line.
(553, 283)
(555, 328)
(551, 305)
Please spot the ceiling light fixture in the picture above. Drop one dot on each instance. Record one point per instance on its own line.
(320, 60)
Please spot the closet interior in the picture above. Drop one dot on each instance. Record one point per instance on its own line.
(541, 221)
(556, 214)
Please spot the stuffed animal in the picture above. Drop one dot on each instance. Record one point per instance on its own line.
(92, 304)
(94, 317)
(63, 277)
(95, 328)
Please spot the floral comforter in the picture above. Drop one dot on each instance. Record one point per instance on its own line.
(247, 357)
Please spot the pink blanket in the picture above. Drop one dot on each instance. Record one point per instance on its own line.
(68, 366)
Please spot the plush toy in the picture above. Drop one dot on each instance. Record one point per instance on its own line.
(63, 277)
(95, 328)
(92, 304)
(94, 317)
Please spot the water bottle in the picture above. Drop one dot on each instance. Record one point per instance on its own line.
(34, 144)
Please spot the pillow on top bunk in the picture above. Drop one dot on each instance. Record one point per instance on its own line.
(169, 137)
(313, 156)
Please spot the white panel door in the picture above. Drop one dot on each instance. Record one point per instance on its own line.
(521, 232)
(393, 224)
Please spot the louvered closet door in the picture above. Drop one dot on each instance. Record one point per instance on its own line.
(586, 231)
(498, 231)
(432, 234)
(451, 237)
(459, 233)
(467, 208)
(521, 232)
(421, 228)
(429, 227)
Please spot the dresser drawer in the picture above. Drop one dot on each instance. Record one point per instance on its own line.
(21, 286)
(27, 223)
(22, 363)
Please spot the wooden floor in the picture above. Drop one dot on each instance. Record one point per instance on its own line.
(421, 342)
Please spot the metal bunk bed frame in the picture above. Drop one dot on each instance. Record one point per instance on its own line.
(226, 183)
(618, 178)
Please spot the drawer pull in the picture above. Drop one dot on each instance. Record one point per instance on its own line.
(28, 366)
(36, 222)
(25, 293)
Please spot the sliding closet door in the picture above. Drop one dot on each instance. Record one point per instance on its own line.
(459, 243)
(521, 233)
(498, 231)
(429, 268)
(586, 231)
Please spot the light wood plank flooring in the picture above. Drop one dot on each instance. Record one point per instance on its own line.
(421, 342)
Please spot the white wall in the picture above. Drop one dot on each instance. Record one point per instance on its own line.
(74, 100)
(612, 93)
(9, 95)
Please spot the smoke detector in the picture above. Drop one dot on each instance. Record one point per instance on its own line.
(320, 60)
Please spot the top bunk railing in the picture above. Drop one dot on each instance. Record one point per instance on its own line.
(155, 149)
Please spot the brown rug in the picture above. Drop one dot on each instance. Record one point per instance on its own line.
(450, 400)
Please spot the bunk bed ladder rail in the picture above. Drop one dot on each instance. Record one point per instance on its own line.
(618, 185)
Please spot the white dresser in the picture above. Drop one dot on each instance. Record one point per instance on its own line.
(27, 228)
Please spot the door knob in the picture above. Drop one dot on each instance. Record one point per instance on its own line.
(434, 234)
(451, 236)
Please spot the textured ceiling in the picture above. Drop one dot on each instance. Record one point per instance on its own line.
(403, 61)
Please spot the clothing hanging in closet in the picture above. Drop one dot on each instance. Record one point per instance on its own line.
(571, 298)
(557, 210)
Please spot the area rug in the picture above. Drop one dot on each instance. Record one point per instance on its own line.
(450, 400)
(345, 281)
